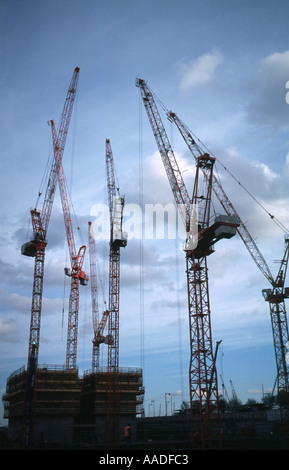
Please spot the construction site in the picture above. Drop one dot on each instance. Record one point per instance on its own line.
(53, 406)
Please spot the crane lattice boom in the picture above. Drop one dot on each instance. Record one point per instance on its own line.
(249, 242)
(277, 295)
(168, 157)
(76, 261)
(118, 239)
(98, 325)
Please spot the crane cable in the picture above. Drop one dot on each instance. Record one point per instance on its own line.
(45, 177)
(141, 254)
(272, 217)
(46, 171)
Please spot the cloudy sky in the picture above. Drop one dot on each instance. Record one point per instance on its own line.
(223, 68)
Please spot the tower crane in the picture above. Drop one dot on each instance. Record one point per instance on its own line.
(118, 239)
(276, 299)
(234, 394)
(278, 293)
(76, 272)
(36, 248)
(98, 326)
(225, 393)
(40, 221)
(202, 376)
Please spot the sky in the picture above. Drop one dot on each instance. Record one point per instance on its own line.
(223, 68)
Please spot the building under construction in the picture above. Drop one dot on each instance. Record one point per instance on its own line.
(67, 408)
(54, 404)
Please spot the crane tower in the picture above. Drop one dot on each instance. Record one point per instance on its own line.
(118, 239)
(276, 298)
(202, 377)
(36, 248)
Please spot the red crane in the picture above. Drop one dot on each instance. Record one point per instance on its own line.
(278, 293)
(202, 377)
(40, 221)
(76, 260)
(276, 297)
(98, 326)
(118, 239)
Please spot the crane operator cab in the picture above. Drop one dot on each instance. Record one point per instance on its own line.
(222, 226)
(119, 238)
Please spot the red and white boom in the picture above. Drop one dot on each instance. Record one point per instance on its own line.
(76, 260)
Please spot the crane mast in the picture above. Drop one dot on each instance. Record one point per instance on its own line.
(234, 394)
(203, 378)
(94, 296)
(40, 221)
(275, 296)
(36, 248)
(76, 260)
(98, 325)
(118, 239)
(93, 277)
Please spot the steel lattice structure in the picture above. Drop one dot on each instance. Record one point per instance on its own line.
(98, 325)
(40, 221)
(202, 375)
(275, 296)
(76, 261)
(36, 248)
(117, 240)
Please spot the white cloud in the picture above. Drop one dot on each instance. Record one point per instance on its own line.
(7, 329)
(278, 60)
(268, 105)
(200, 71)
(255, 179)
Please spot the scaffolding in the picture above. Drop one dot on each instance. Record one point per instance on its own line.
(65, 404)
